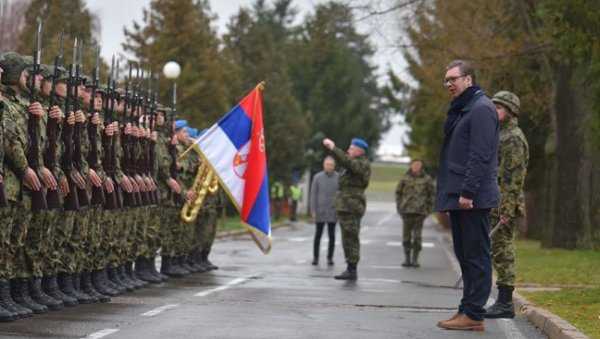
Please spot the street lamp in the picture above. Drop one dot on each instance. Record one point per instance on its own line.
(171, 70)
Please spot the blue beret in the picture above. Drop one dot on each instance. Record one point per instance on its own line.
(192, 132)
(179, 124)
(360, 143)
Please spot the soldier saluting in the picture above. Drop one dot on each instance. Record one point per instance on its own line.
(350, 201)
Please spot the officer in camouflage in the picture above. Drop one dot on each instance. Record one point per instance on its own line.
(414, 202)
(350, 200)
(513, 156)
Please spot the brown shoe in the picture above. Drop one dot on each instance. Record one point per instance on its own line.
(452, 318)
(463, 322)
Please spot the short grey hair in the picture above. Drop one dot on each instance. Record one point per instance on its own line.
(465, 67)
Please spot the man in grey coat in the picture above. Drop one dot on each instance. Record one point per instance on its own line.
(322, 197)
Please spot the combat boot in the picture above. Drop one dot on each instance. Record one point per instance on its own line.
(415, 258)
(88, 288)
(50, 287)
(167, 268)
(503, 307)
(349, 274)
(177, 266)
(407, 262)
(151, 268)
(204, 259)
(129, 285)
(36, 293)
(134, 276)
(192, 262)
(78, 289)
(202, 263)
(7, 316)
(113, 276)
(120, 289)
(101, 286)
(20, 294)
(182, 262)
(9, 304)
(141, 270)
(65, 283)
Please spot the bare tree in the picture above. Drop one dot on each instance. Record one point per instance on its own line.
(12, 15)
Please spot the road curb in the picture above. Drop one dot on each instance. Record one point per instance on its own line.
(550, 324)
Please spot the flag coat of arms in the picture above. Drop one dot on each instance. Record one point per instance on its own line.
(235, 149)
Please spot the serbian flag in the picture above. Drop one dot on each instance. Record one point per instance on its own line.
(235, 149)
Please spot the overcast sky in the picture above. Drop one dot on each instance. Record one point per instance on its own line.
(116, 14)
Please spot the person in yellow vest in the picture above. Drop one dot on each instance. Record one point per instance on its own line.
(295, 196)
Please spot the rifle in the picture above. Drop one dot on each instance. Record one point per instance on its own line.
(115, 97)
(107, 144)
(53, 196)
(141, 160)
(71, 202)
(82, 195)
(152, 143)
(177, 197)
(38, 198)
(97, 192)
(129, 198)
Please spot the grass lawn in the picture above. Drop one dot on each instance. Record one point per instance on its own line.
(576, 271)
(385, 177)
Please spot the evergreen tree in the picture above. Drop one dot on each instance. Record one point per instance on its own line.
(180, 30)
(69, 15)
(257, 41)
(334, 81)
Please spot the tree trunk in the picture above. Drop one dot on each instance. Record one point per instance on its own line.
(577, 183)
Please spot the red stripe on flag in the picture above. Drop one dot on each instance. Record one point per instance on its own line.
(257, 159)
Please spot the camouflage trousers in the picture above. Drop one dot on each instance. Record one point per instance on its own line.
(170, 230)
(152, 232)
(21, 219)
(39, 243)
(6, 216)
(93, 240)
(76, 244)
(111, 225)
(206, 229)
(125, 236)
(350, 226)
(412, 229)
(63, 233)
(186, 238)
(503, 251)
(139, 243)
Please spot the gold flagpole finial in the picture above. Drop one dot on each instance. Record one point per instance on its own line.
(261, 85)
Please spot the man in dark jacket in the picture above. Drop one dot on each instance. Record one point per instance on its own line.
(467, 188)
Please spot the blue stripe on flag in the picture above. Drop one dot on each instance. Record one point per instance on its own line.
(259, 216)
(237, 126)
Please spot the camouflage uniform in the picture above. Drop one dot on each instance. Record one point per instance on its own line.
(414, 201)
(5, 213)
(350, 200)
(190, 165)
(514, 157)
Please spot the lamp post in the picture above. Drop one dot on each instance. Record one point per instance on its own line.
(171, 70)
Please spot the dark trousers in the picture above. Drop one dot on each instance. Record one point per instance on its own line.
(293, 208)
(472, 248)
(317, 243)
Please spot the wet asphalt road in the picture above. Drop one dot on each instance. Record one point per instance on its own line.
(281, 295)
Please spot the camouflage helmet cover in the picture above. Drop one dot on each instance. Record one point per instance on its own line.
(508, 100)
(13, 64)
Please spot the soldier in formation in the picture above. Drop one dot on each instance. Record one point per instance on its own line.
(89, 189)
(414, 202)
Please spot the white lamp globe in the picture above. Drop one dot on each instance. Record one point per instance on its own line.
(171, 70)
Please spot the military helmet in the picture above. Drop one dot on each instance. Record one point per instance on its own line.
(13, 64)
(46, 71)
(508, 100)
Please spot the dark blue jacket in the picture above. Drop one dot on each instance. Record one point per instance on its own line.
(469, 158)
